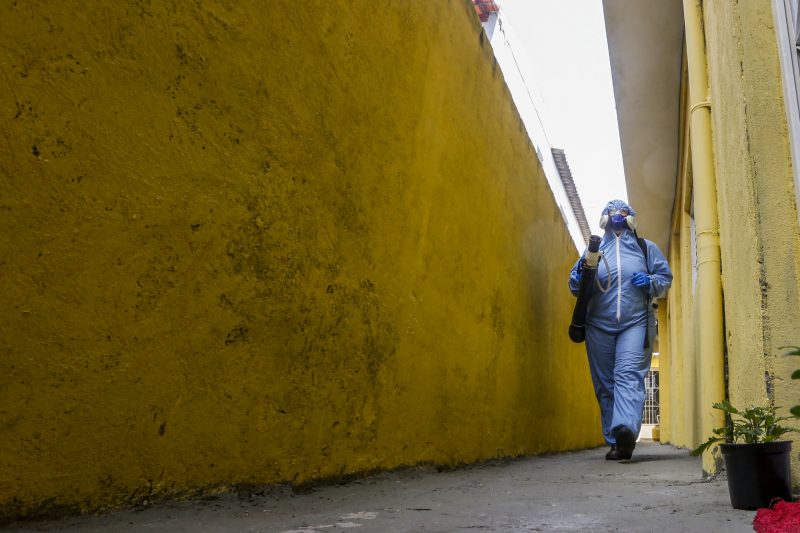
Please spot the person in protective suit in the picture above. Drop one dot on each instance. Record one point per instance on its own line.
(620, 324)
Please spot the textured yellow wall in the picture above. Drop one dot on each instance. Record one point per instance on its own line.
(759, 238)
(249, 244)
(680, 362)
(758, 215)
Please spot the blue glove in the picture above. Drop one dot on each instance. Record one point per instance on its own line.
(641, 280)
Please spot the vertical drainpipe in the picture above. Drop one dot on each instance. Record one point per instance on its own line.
(709, 281)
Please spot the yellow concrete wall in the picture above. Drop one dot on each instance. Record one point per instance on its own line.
(758, 216)
(679, 382)
(759, 237)
(254, 244)
(676, 383)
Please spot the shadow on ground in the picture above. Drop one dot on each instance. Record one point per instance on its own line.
(660, 489)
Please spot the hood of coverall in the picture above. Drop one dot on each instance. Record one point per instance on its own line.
(613, 205)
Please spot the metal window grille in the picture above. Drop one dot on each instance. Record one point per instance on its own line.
(651, 413)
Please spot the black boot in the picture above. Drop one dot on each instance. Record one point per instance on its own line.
(612, 453)
(626, 442)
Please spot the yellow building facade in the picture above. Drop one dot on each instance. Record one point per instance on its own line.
(733, 235)
(246, 245)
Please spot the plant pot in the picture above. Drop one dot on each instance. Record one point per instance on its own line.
(757, 473)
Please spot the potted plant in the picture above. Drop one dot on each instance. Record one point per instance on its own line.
(756, 462)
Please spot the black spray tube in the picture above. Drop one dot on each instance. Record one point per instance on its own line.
(577, 333)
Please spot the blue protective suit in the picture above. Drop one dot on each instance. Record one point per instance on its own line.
(616, 324)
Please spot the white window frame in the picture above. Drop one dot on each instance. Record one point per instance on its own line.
(787, 17)
(693, 246)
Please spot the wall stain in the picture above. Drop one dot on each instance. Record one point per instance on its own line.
(274, 228)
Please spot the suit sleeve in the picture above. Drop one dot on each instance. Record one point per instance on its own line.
(574, 283)
(660, 273)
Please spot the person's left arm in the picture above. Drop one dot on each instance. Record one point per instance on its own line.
(658, 271)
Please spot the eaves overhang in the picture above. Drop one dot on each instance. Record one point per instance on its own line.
(645, 47)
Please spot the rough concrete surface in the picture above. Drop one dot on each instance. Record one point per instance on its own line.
(660, 489)
(251, 245)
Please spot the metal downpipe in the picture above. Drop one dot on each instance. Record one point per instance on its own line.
(709, 282)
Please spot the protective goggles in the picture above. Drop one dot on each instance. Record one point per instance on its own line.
(619, 211)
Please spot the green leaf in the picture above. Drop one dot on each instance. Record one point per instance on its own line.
(795, 350)
(795, 411)
(750, 415)
(703, 447)
(726, 406)
(796, 374)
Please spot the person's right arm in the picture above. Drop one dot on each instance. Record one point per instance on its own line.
(575, 277)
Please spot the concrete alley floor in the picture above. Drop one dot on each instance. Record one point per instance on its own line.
(660, 489)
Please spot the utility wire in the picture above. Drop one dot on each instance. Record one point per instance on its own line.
(522, 77)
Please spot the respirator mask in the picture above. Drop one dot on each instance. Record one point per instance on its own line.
(618, 218)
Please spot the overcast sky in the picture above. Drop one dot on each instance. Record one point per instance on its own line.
(565, 45)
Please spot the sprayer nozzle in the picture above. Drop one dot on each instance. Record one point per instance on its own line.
(594, 243)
